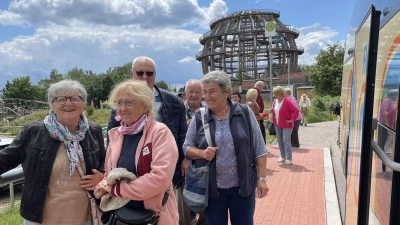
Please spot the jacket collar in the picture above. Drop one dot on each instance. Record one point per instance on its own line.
(115, 135)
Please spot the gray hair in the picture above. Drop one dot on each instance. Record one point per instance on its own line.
(259, 84)
(288, 91)
(143, 59)
(219, 77)
(65, 86)
(193, 81)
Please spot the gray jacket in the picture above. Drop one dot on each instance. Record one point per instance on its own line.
(36, 151)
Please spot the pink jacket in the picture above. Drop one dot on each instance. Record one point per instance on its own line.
(158, 140)
(288, 111)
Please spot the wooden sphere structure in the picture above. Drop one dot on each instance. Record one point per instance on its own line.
(236, 44)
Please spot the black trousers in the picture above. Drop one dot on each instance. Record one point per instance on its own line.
(262, 128)
(295, 134)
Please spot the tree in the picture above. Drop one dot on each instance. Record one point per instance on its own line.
(162, 84)
(54, 78)
(326, 73)
(302, 68)
(22, 88)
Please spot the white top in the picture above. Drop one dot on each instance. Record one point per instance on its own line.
(277, 107)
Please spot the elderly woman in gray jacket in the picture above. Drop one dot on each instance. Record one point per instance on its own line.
(237, 163)
(50, 152)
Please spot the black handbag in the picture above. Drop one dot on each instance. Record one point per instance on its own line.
(271, 128)
(128, 216)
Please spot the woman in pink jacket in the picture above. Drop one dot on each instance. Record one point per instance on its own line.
(284, 114)
(144, 147)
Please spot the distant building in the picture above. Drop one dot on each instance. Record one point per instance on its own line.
(236, 44)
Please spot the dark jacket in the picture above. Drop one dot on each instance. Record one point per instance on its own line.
(242, 135)
(36, 151)
(173, 115)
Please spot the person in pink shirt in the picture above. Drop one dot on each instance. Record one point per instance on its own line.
(145, 148)
(295, 131)
(284, 114)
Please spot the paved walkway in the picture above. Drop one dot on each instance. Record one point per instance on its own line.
(297, 194)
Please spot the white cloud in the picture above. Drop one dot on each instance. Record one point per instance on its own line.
(187, 59)
(314, 38)
(10, 18)
(96, 48)
(147, 14)
(98, 34)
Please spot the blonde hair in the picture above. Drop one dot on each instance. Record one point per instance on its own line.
(251, 94)
(139, 91)
(279, 91)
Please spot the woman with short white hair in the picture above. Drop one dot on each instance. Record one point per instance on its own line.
(237, 163)
(51, 153)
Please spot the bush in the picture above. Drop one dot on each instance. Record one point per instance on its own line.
(325, 103)
(89, 110)
(106, 105)
(322, 108)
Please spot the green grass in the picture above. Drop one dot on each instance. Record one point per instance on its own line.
(100, 116)
(317, 116)
(11, 216)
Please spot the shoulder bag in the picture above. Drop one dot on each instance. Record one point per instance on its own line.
(128, 216)
(195, 192)
(270, 125)
(95, 211)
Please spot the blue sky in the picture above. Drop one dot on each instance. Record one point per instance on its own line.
(40, 35)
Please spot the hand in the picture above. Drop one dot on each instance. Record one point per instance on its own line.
(89, 182)
(288, 121)
(101, 189)
(262, 189)
(209, 153)
(184, 166)
(188, 121)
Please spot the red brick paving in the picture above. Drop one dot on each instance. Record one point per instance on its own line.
(296, 192)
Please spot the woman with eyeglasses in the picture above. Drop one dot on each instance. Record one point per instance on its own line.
(145, 148)
(238, 161)
(50, 153)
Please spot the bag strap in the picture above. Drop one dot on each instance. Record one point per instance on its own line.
(165, 198)
(81, 174)
(206, 127)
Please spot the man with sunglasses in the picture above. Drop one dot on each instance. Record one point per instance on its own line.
(169, 109)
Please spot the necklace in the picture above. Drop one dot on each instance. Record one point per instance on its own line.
(225, 115)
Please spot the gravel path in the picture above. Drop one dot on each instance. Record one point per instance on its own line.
(322, 135)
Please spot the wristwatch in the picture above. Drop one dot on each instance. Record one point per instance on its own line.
(262, 178)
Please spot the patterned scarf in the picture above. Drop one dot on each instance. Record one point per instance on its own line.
(71, 141)
(135, 128)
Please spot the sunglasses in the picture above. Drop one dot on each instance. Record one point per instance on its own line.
(140, 73)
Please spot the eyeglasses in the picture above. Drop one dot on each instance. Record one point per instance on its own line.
(128, 104)
(140, 73)
(63, 99)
